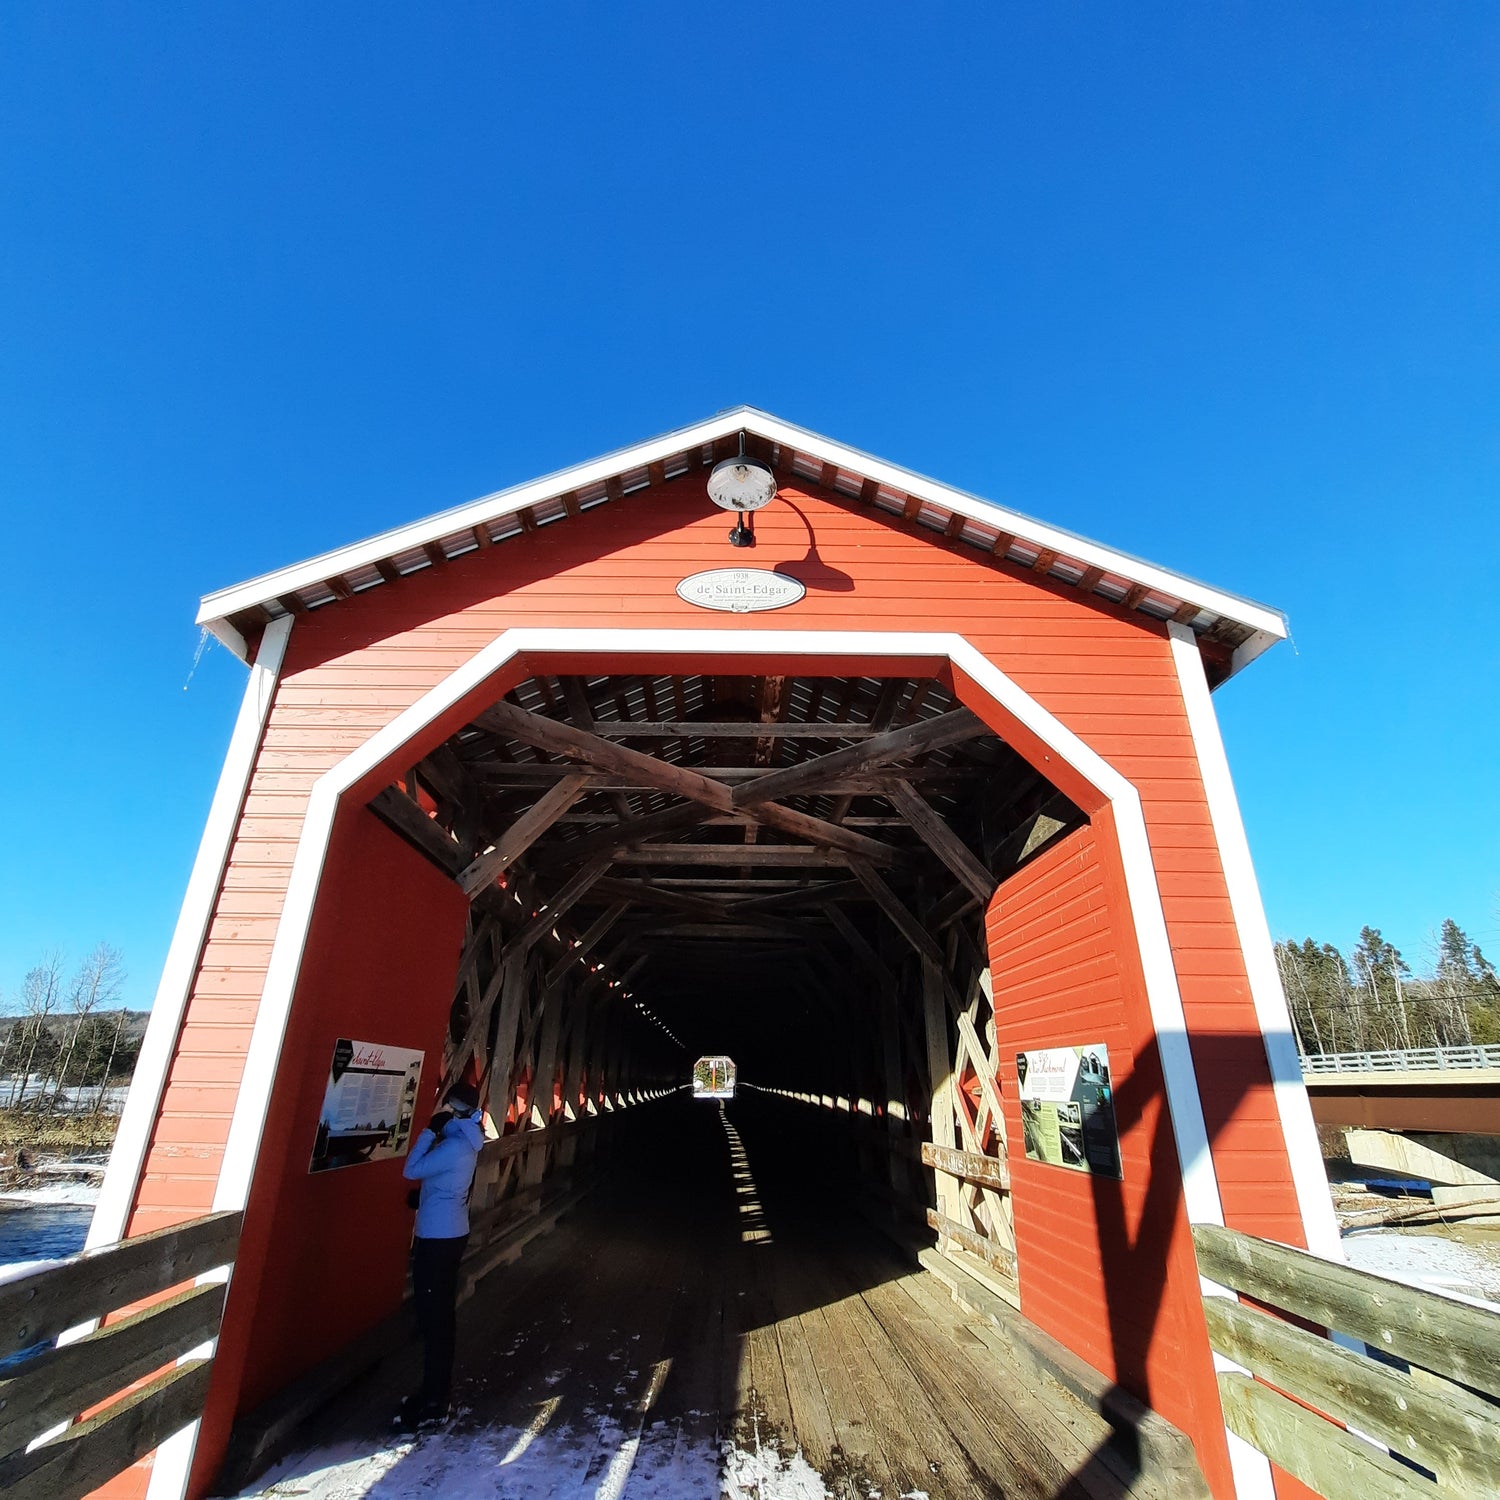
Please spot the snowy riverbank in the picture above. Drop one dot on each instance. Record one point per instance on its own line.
(1435, 1260)
(45, 1209)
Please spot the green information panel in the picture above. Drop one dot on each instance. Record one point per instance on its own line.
(1068, 1108)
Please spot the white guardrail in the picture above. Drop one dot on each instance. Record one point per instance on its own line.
(1418, 1060)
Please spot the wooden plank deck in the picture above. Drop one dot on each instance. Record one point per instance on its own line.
(708, 1324)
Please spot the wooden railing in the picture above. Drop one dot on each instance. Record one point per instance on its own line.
(50, 1386)
(989, 1174)
(1421, 1420)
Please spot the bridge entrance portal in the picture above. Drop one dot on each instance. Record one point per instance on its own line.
(520, 796)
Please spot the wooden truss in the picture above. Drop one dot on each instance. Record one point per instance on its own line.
(662, 866)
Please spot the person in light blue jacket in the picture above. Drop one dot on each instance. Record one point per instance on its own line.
(442, 1160)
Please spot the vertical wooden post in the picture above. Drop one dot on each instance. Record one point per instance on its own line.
(940, 1071)
(574, 1051)
(545, 1072)
(625, 1053)
(542, 1078)
(575, 1055)
(603, 1070)
(500, 1088)
(894, 1090)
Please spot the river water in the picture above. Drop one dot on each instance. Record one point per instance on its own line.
(42, 1231)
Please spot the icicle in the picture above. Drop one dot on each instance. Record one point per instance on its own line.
(204, 636)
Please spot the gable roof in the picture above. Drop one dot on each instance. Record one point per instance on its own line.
(1239, 628)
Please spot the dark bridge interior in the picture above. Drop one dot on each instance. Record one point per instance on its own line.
(738, 855)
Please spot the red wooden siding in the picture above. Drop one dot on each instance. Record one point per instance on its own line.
(1106, 1267)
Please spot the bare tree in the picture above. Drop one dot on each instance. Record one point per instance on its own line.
(109, 1061)
(95, 987)
(41, 993)
(11, 1032)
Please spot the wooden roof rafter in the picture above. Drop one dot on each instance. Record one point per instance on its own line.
(912, 768)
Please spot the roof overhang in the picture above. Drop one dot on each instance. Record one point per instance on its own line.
(1239, 628)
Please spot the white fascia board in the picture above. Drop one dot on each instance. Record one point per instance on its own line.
(1258, 617)
(490, 507)
(1268, 624)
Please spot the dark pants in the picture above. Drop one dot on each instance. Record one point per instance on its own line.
(434, 1277)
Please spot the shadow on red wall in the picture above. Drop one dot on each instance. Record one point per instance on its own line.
(323, 1256)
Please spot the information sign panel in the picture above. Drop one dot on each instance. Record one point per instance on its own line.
(1068, 1108)
(367, 1105)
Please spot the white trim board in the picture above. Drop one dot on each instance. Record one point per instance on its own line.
(138, 1119)
(1297, 1127)
(1266, 624)
(1200, 1183)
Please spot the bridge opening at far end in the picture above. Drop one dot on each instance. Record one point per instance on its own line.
(713, 1078)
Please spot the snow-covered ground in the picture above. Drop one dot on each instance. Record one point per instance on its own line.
(78, 1194)
(1430, 1261)
(594, 1460)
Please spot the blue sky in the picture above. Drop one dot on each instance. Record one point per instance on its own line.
(1217, 285)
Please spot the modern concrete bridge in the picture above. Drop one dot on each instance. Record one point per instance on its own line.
(1450, 1089)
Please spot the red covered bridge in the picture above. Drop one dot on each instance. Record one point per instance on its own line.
(919, 812)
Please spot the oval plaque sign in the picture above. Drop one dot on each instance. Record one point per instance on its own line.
(740, 590)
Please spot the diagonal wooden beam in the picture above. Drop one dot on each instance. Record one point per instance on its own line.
(828, 835)
(754, 856)
(653, 895)
(586, 748)
(582, 747)
(941, 839)
(522, 834)
(895, 744)
(497, 774)
(749, 729)
(856, 941)
(820, 891)
(880, 720)
(587, 942)
(764, 930)
(901, 918)
(577, 699)
(406, 818)
(482, 925)
(557, 907)
(631, 830)
(983, 1065)
(479, 1020)
(959, 902)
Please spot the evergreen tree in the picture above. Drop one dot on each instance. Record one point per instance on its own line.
(1319, 995)
(1379, 969)
(1465, 990)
